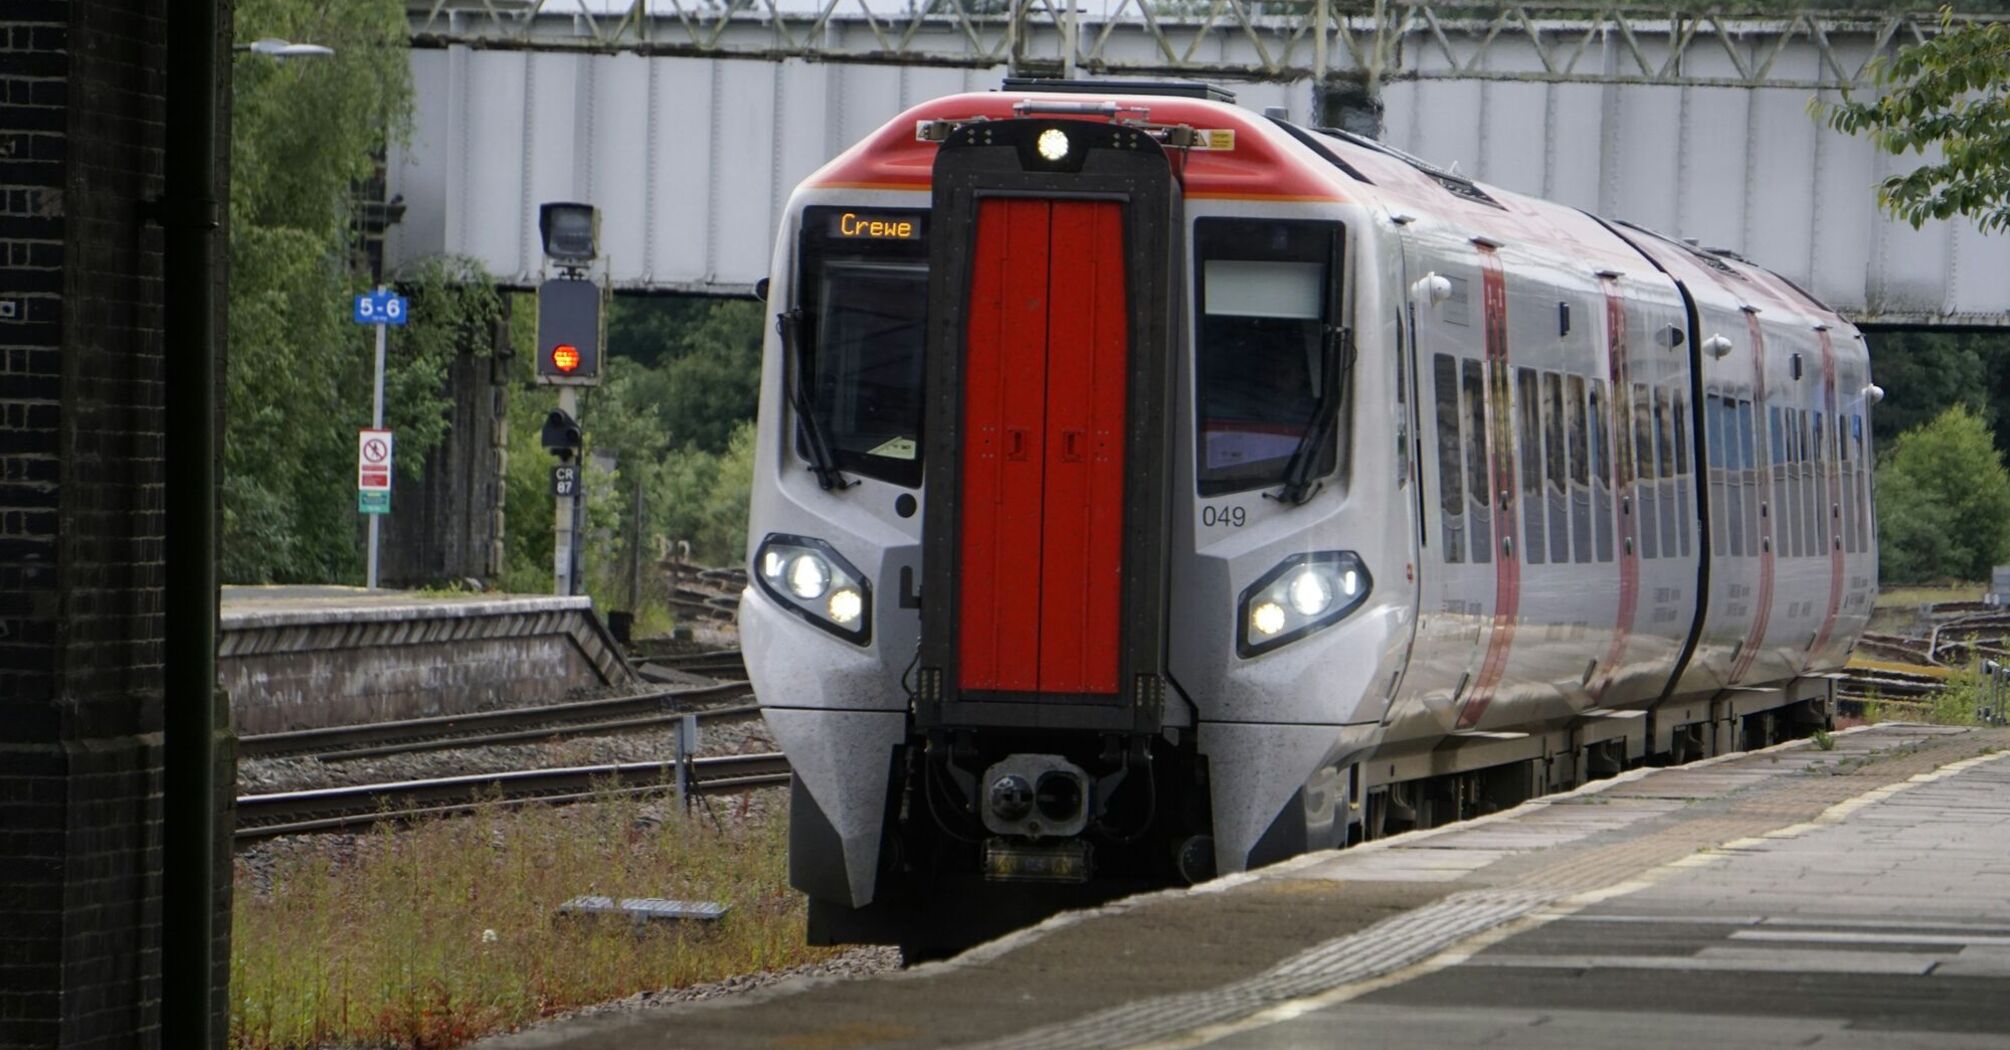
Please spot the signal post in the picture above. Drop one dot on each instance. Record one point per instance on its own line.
(571, 329)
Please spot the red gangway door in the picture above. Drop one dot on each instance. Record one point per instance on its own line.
(1043, 454)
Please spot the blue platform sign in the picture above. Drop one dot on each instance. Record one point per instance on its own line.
(380, 308)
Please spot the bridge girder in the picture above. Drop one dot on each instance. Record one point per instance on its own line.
(1374, 43)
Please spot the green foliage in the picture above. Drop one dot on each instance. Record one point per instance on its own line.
(1943, 501)
(674, 413)
(298, 372)
(688, 372)
(1947, 99)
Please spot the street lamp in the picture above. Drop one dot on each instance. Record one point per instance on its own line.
(278, 48)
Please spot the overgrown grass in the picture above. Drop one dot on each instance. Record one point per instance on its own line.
(1908, 597)
(1958, 702)
(431, 937)
(1896, 610)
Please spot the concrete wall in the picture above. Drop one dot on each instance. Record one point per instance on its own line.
(306, 668)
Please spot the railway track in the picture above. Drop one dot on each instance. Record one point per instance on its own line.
(338, 808)
(513, 725)
(724, 664)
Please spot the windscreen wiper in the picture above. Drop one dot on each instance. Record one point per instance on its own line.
(1299, 485)
(816, 445)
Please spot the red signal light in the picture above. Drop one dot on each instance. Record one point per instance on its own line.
(565, 357)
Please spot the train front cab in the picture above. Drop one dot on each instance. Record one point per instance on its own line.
(1087, 646)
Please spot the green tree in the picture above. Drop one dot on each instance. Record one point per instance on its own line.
(305, 133)
(693, 366)
(1943, 500)
(1947, 98)
(1923, 371)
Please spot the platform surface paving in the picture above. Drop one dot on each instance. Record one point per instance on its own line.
(1854, 897)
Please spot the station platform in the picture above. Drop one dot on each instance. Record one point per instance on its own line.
(299, 657)
(1852, 897)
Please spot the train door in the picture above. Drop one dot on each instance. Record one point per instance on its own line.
(1053, 266)
(1043, 460)
(1471, 567)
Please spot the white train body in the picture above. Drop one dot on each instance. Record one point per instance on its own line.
(1266, 490)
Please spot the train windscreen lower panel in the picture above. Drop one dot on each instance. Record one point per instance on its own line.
(1043, 460)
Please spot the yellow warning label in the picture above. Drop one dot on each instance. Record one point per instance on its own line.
(1214, 138)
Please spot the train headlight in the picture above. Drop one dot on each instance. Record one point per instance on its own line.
(1302, 594)
(1310, 593)
(809, 578)
(1052, 144)
(845, 607)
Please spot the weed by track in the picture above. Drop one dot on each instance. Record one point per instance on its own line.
(431, 937)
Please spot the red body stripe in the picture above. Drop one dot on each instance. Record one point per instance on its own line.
(1500, 442)
(1833, 523)
(1629, 559)
(1260, 167)
(1763, 609)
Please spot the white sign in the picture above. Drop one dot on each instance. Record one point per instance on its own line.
(373, 460)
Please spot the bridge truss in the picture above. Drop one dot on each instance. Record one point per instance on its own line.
(691, 120)
(1374, 43)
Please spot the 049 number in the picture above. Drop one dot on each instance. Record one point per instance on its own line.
(1233, 517)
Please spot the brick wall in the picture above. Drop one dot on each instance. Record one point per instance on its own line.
(81, 94)
(448, 524)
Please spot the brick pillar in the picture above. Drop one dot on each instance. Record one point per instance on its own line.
(81, 522)
(447, 525)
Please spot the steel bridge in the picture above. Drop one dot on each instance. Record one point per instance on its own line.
(688, 121)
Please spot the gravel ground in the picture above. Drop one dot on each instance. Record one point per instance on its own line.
(864, 961)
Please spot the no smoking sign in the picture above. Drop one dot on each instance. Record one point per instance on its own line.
(373, 471)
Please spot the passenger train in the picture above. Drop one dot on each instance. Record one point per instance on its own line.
(1149, 489)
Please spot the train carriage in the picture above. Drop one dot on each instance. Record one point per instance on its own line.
(1147, 489)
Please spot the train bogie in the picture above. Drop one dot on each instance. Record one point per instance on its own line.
(1147, 490)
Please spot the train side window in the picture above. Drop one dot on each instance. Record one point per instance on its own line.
(1451, 487)
(1781, 517)
(1528, 398)
(1555, 468)
(865, 308)
(1678, 414)
(1865, 479)
(1713, 468)
(1733, 505)
(1818, 442)
(1793, 475)
(1748, 478)
(1580, 469)
(1852, 486)
(1601, 470)
(1797, 471)
(1265, 310)
(1479, 487)
(1646, 500)
(1810, 487)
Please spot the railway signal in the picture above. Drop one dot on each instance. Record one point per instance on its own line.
(571, 330)
(569, 326)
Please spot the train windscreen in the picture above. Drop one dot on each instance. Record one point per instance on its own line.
(864, 297)
(1265, 307)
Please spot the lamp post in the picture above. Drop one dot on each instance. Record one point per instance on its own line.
(278, 48)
